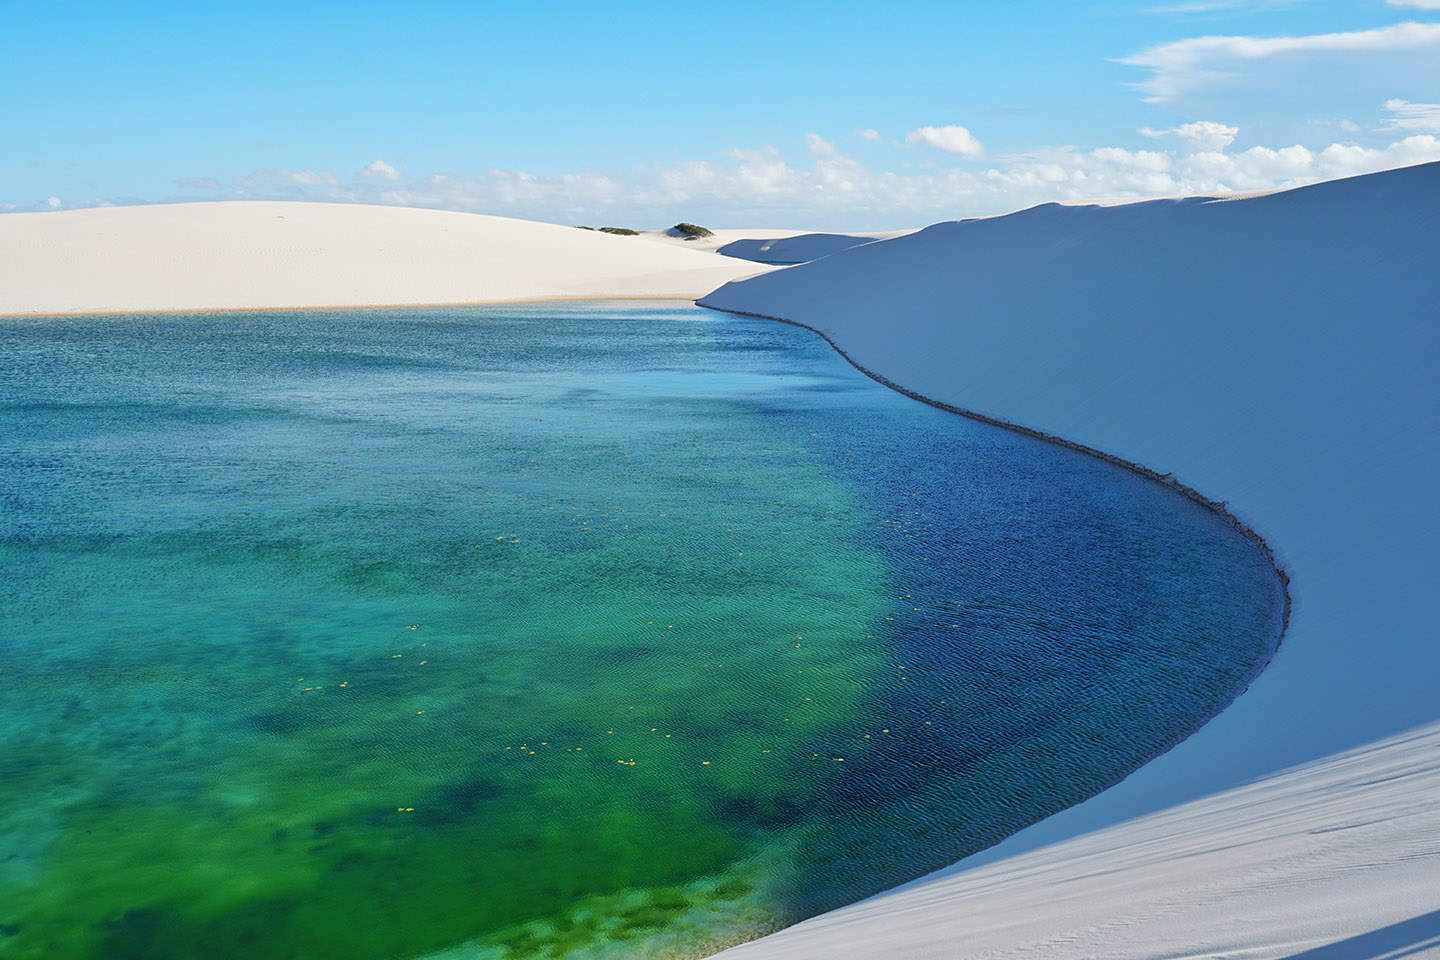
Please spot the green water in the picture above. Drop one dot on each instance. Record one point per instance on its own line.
(546, 631)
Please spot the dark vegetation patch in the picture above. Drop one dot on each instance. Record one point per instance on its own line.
(691, 231)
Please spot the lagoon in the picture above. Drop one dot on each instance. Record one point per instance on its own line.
(580, 630)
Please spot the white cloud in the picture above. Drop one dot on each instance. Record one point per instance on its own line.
(1202, 134)
(951, 139)
(827, 189)
(53, 203)
(866, 133)
(821, 147)
(1221, 6)
(1424, 117)
(834, 191)
(380, 170)
(1184, 65)
(302, 178)
(1416, 4)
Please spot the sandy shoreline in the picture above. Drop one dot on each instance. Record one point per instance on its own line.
(182, 311)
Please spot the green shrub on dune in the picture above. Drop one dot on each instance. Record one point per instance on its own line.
(690, 231)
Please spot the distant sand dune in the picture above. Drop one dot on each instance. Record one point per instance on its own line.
(242, 255)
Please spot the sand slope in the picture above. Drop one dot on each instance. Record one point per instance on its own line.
(273, 254)
(1279, 352)
(797, 249)
(1282, 868)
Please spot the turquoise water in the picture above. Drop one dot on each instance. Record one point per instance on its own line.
(581, 630)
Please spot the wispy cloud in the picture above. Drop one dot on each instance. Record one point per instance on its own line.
(1416, 4)
(380, 170)
(1184, 65)
(1202, 134)
(300, 178)
(951, 139)
(821, 147)
(1214, 7)
(866, 133)
(1424, 117)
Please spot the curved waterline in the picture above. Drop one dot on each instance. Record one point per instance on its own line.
(1221, 508)
(1052, 644)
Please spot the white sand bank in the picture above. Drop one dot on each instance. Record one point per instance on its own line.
(243, 255)
(1282, 868)
(1279, 352)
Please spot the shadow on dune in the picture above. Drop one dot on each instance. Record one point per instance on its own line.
(1408, 938)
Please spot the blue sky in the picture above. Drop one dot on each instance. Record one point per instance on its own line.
(817, 115)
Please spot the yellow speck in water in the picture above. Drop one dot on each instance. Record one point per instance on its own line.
(886, 730)
(396, 656)
(667, 736)
(704, 763)
(345, 684)
(423, 662)
(418, 712)
(409, 809)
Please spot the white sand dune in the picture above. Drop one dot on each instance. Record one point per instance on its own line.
(1282, 868)
(241, 255)
(741, 242)
(1279, 352)
(801, 248)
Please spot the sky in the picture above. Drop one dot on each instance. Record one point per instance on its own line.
(808, 115)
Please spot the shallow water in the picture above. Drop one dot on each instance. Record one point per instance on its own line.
(548, 630)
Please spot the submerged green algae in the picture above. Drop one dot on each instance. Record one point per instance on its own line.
(389, 676)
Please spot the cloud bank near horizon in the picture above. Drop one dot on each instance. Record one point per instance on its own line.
(830, 189)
